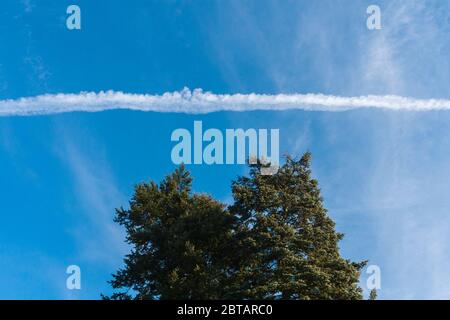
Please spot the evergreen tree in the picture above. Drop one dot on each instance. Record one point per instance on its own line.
(373, 294)
(288, 246)
(178, 241)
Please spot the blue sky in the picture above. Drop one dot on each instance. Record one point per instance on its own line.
(384, 174)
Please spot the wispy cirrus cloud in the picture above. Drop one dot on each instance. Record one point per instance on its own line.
(100, 238)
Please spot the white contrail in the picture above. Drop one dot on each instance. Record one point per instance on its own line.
(198, 102)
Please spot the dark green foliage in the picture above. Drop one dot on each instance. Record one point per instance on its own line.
(373, 294)
(288, 244)
(178, 242)
(275, 242)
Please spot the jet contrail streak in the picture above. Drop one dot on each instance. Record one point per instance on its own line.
(198, 102)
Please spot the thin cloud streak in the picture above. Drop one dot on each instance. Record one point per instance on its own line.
(198, 102)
